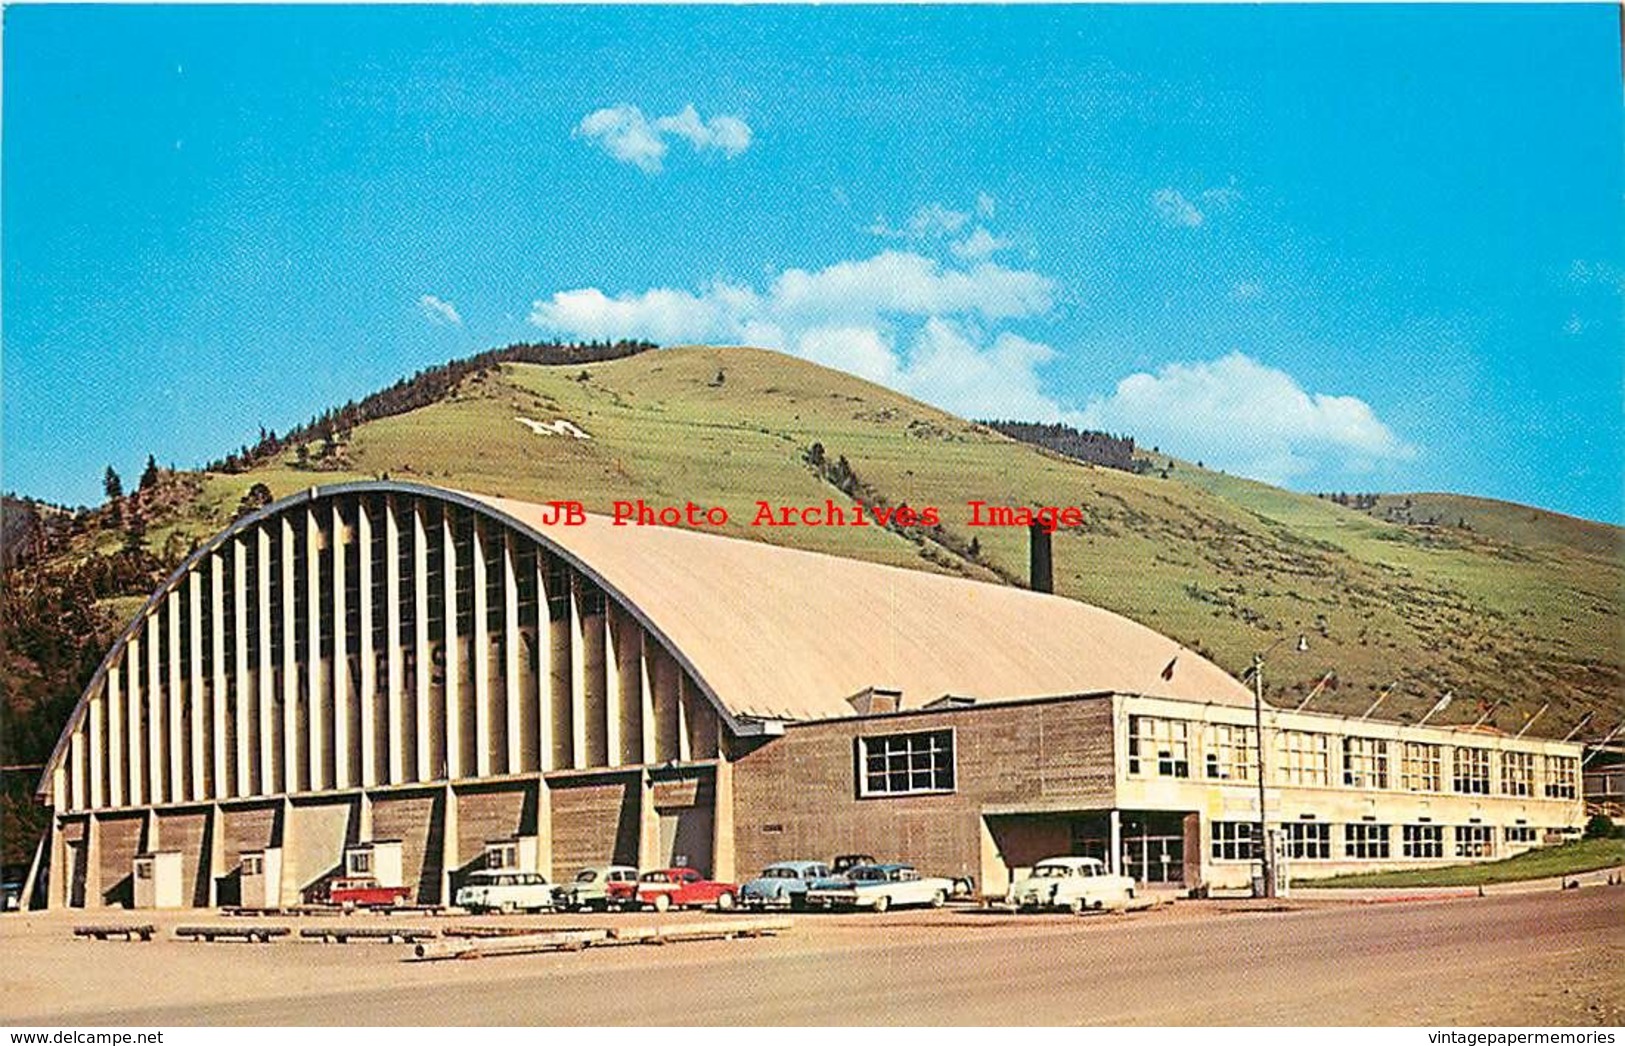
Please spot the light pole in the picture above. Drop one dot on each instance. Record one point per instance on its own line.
(1266, 851)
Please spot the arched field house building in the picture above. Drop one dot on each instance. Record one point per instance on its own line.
(414, 682)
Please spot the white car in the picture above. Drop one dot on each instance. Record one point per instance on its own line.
(880, 886)
(1077, 884)
(506, 891)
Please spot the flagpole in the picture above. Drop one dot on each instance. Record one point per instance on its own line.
(1380, 699)
(1327, 678)
(1531, 722)
(1480, 721)
(1581, 725)
(1443, 701)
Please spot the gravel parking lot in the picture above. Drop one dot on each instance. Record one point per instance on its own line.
(1536, 959)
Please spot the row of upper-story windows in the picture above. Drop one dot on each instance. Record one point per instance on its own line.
(1307, 840)
(1165, 747)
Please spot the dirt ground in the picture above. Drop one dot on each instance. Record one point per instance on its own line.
(1554, 958)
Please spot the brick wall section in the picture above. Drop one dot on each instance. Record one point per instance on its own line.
(418, 821)
(120, 842)
(187, 831)
(484, 814)
(245, 828)
(594, 823)
(796, 796)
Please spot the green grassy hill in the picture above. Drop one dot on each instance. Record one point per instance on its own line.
(1522, 605)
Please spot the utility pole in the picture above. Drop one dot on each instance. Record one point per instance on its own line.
(1266, 851)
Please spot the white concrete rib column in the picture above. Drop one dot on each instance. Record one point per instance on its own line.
(290, 672)
(544, 669)
(97, 718)
(578, 676)
(116, 738)
(76, 778)
(613, 710)
(480, 653)
(420, 620)
(369, 670)
(265, 784)
(340, 674)
(392, 642)
(510, 658)
(177, 733)
(239, 641)
(453, 704)
(219, 787)
(315, 729)
(195, 711)
(158, 790)
(132, 675)
(646, 694)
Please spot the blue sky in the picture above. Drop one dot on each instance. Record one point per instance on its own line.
(1331, 247)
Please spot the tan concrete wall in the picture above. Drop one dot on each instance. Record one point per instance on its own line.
(120, 839)
(417, 819)
(487, 813)
(186, 831)
(313, 844)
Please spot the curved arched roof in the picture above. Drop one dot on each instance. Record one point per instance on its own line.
(776, 633)
(780, 633)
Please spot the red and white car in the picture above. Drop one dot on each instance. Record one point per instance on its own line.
(360, 892)
(667, 888)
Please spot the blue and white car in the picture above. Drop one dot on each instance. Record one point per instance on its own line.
(879, 887)
(783, 885)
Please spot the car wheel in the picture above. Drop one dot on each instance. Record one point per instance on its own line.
(507, 907)
(939, 899)
(1130, 895)
(725, 901)
(798, 902)
(882, 903)
(1077, 906)
(662, 902)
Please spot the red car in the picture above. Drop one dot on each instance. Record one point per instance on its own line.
(360, 893)
(679, 888)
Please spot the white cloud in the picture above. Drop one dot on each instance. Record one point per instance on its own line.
(984, 205)
(897, 318)
(1174, 209)
(1246, 290)
(979, 244)
(439, 312)
(1237, 414)
(625, 133)
(1222, 196)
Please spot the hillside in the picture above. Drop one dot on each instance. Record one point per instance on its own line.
(1517, 605)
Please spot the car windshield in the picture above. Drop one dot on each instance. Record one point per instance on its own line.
(872, 875)
(781, 873)
(587, 876)
(655, 877)
(1052, 871)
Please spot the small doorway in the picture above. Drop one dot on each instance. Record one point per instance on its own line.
(1154, 846)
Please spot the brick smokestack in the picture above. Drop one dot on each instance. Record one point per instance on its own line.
(1041, 559)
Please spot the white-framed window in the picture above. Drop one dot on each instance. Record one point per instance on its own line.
(1365, 841)
(1421, 767)
(906, 764)
(1365, 762)
(1233, 840)
(1423, 840)
(502, 855)
(1517, 773)
(1232, 752)
(1475, 840)
(359, 862)
(1159, 747)
(1303, 758)
(143, 869)
(1472, 771)
(1560, 775)
(1308, 840)
(1520, 833)
(253, 864)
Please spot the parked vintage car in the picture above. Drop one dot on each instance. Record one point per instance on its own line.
(506, 891)
(880, 886)
(1075, 883)
(783, 885)
(356, 891)
(666, 888)
(591, 887)
(843, 863)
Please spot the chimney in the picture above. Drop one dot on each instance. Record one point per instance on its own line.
(1041, 560)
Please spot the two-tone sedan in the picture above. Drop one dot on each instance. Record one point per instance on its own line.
(879, 887)
(1075, 884)
(783, 885)
(666, 888)
(591, 888)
